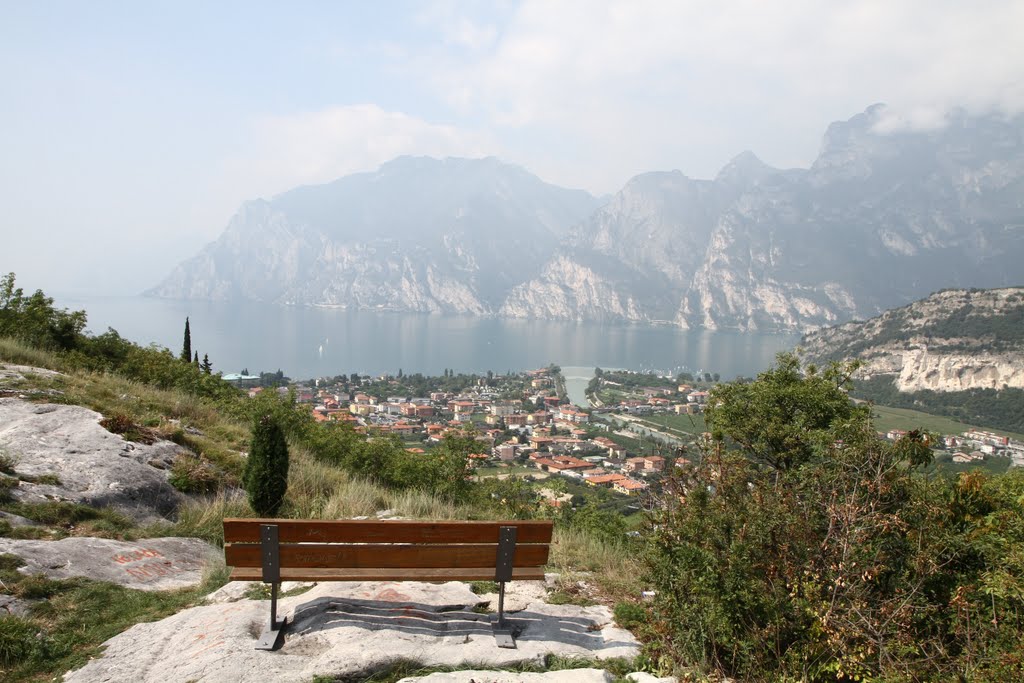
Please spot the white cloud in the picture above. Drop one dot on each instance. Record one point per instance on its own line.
(650, 81)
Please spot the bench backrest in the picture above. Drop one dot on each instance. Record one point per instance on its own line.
(388, 544)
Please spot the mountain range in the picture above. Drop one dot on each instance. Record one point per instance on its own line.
(882, 217)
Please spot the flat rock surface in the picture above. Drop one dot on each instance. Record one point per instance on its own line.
(10, 371)
(518, 595)
(94, 467)
(151, 564)
(339, 629)
(12, 606)
(565, 676)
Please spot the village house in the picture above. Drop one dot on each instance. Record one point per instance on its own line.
(570, 413)
(629, 486)
(561, 464)
(605, 480)
(505, 452)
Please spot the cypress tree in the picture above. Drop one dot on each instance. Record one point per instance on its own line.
(266, 471)
(195, 360)
(186, 346)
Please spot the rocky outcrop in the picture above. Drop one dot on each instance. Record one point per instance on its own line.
(345, 629)
(61, 453)
(153, 564)
(954, 340)
(880, 218)
(567, 290)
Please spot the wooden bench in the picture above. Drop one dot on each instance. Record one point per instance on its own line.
(276, 550)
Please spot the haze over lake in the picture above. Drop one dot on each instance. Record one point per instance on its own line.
(311, 342)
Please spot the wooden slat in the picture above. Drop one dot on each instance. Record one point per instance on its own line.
(398, 531)
(385, 556)
(428, 575)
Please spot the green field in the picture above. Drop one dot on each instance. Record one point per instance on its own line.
(495, 470)
(887, 418)
(677, 425)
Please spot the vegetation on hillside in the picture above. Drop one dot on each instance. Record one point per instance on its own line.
(800, 547)
(1003, 409)
(823, 554)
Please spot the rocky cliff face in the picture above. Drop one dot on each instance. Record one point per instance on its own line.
(951, 341)
(879, 219)
(452, 236)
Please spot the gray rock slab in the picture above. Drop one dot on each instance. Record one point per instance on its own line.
(152, 564)
(642, 677)
(94, 466)
(9, 371)
(234, 591)
(16, 520)
(518, 595)
(566, 676)
(10, 605)
(346, 629)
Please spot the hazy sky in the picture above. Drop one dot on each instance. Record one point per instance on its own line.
(131, 131)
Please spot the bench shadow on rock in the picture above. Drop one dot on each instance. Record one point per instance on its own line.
(324, 614)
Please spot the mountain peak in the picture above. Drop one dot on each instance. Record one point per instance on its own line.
(744, 169)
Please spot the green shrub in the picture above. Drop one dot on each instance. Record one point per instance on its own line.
(20, 641)
(38, 587)
(191, 474)
(9, 564)
(120, 423)
(266, 472)
(7, 462)
(630, 615)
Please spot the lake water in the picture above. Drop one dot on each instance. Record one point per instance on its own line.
(312, 342)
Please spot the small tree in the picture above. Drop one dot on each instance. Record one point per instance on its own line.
(186, 345)
(266, 472)
(195, 359)
(206, 364)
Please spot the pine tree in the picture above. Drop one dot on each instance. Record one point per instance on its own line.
(266, 471)
(206, 365)
(186, 346)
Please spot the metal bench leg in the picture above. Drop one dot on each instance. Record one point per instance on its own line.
(270, 639)
(502, 573)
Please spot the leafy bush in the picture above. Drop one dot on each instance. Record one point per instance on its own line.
(630, 615)
(844, 563)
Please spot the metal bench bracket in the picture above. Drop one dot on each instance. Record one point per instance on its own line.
(270, 552)
(502, 573)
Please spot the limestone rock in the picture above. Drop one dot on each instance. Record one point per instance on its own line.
(151, 564)
(93, 466)
(953, 340)
(641, 677)
(12, 606)
(518, 595)
(16, 520)
(565, 676)
(339, 629)
(234, 591)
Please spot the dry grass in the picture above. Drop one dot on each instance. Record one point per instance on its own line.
(613, 568)
(320, 491)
